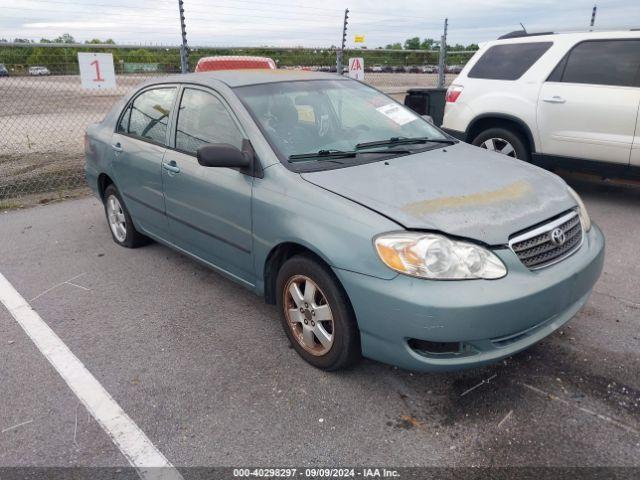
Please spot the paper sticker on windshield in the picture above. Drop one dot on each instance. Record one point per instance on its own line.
(397, 114)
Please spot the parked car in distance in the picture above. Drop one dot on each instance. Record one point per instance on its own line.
(38, 71)
(373, 231)
(388, 69)
(566, 100)
(454, 69)
(3, 70)
(377, 69)
(414, 69)
(429, 69)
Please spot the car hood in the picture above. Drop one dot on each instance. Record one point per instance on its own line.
(459, 189)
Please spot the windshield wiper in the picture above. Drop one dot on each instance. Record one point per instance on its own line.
(402, 140)
(320, 154)
(329, 154)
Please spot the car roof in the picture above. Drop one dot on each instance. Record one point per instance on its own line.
(239, 78)
(567, 36)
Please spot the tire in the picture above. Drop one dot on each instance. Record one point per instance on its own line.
(503, 138)
(329, 300)
(126, 235)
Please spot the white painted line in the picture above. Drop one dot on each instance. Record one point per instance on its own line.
(132, 442)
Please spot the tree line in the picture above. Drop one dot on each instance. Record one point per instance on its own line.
(63, 59)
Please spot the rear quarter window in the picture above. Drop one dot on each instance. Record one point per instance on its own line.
(601, 62)
(509, 61)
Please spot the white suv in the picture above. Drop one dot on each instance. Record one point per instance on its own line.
(568, 100)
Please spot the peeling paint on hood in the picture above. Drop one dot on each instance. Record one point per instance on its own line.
(460, 190)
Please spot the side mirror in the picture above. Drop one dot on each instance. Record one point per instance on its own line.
(222, 155)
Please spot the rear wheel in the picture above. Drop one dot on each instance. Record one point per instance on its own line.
(119, 220)
(504, 141)
(316, 314)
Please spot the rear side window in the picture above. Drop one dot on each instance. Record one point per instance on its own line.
(149, 115)
(509, 61)
(203, 119)
(601, 62)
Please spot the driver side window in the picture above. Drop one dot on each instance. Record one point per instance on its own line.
(204, 119)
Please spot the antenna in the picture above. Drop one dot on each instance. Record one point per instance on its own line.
(593, 15)
(523, 29)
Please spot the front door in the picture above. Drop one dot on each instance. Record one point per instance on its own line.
(208, 209)
(588, 107)
(139, 147)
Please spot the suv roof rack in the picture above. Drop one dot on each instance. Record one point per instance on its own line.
(524, 33)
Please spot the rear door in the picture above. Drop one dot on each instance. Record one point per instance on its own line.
(208, 209)
(139, 145)
(588, 107)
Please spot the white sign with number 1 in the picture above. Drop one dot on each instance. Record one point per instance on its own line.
(96, 71)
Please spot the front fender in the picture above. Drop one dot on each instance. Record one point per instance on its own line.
(288, 209)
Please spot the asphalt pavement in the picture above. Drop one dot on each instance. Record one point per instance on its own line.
(203, 367)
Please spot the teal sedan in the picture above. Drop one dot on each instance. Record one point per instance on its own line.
(374, 233)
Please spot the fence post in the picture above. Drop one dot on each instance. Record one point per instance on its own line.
(184, 52)
(443, 54)
(340, 53)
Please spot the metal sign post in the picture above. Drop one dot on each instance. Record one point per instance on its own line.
(443, 53)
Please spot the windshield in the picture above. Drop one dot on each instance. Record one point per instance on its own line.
(332, 116)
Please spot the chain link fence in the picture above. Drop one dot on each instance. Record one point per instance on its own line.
(45, 111)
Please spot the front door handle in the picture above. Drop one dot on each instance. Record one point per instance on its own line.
(171, 167)
(117, 148)
(554, 99)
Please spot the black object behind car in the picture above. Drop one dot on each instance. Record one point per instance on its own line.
(427, 101)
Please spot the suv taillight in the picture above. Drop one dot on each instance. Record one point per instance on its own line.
(453, 92)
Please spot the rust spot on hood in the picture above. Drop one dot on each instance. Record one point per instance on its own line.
(510, 192)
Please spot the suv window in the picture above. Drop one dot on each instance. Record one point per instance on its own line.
(149, 114)
(203, 119)
(601, 62)
(509, 61)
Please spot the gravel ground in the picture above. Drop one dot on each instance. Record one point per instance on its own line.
(203, 367)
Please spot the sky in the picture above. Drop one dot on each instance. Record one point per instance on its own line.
(306, 23)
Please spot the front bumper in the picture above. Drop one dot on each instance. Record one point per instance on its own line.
(490, 319)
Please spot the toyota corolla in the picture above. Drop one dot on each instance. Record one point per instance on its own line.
(374, 233)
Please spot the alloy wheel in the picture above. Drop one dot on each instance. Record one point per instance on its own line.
(499, 145)
(308, 315)
(116, 218)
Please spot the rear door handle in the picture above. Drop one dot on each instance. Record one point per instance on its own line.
(117, 148)
(171, 167)
(554, 99)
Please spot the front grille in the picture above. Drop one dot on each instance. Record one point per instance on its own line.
(539, 247)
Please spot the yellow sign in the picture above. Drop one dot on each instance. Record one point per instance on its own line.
(359, 39)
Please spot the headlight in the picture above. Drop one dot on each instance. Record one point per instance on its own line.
(582, 210)
(427, 255)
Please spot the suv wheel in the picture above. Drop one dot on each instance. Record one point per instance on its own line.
(316, 314)
(502, 140)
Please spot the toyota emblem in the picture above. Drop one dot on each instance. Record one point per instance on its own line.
(558, 237)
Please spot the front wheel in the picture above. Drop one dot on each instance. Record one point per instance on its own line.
(504, 141)
(316, 314)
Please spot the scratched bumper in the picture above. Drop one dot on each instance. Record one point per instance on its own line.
(490, 319)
